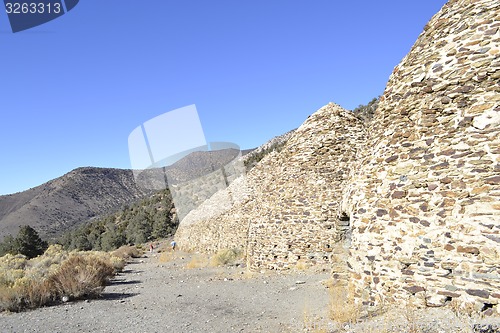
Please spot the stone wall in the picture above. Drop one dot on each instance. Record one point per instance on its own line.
(285, 210)
(299, 189)
(424, 206)
(409, 206)
(213, 225)
(190, 194)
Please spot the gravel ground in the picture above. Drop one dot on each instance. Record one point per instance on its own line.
(152, 295)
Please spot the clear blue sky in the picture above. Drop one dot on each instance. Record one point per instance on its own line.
(73, 89)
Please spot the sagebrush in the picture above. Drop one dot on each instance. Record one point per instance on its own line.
(54, 276)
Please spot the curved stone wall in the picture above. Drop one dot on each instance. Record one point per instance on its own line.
(409, 206)
(299, 190)
(285, 210)
(425, 204)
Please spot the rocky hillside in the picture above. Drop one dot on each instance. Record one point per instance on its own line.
(198, 164)
(405, 207)
(67, 201)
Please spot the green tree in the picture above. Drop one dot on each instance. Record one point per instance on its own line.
(139, 228)
(7, 246)
(162, 225)
(79, 240)
(112, 238)
(29, 243)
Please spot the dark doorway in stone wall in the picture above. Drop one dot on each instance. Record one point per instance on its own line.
(344, 228)
(344, 217)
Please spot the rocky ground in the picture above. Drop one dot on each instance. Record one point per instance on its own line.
(159, 293)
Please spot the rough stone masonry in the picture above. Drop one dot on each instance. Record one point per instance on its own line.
(406, 209)
(424, 206)
(285, 211)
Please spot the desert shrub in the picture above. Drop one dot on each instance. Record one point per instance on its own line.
(226, 257)
(10, 276)
(13, 261)
(31, 294)
(12, 269)
(81, 276)
(47, 278)
(10, 299)
(197, 261)
(47, 263)
(114, 261)
(127, 252)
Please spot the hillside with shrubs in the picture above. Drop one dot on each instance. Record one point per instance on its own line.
(150, 219)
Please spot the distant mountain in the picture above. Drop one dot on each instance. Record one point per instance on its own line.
(199, 163)
(67, 201)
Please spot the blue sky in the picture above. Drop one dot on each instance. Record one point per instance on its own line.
(72, 90)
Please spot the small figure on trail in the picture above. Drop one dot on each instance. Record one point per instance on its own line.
(151, 247)
(173, 244)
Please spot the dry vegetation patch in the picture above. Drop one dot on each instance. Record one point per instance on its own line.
(343, 309)
(126, 252)
(226, 257)
(55, 276)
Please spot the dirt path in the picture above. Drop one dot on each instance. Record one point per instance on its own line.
(153, 296)
(157, 295)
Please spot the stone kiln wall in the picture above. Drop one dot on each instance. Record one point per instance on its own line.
(299, 189)
(221, 222)
(413, 210)
(285, 210)
(425, 205)
(190, 194)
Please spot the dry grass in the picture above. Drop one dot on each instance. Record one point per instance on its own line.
(313, 324)
(166, 257)
(226, 257)
(301, 265)
(342, 307)
(462, 309)
(410, 314)
(198, 261)
(81, 276)
(55, 274)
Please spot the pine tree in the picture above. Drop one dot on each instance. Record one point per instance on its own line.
(29, 243)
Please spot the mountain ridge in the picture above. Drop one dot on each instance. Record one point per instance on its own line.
(68, 200)
(85, 193)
